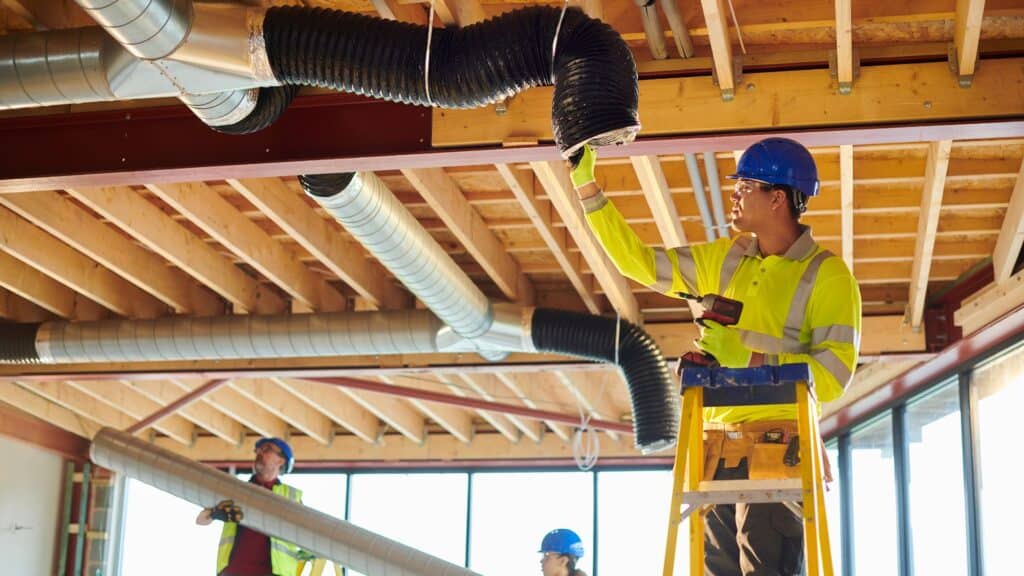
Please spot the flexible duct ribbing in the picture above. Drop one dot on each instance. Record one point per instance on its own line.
(325, 536)
(652, 391)
(593, 71)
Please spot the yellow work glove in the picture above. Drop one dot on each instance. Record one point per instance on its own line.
(583, 168)
(725, 344)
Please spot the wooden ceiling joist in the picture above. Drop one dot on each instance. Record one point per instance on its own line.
(160, 233)
(200, 413)
(931, 202)
(82, 404)
(38, 406)
(721, 46)
(394, 412)
(659, 199)
(398, 10)
(966, 35)
(1011, 234)
(344, 258)
(236, 406)
(488, 387)
(333, 404)
(449, 202)
(844, 45)
(74, 226)
(512, 385)
(45, 292)
(73, 269)
(14, 308)
(456, 421)
(554, 178)
(222, 221)
(124, 398)
(846, 178)
(275, 399)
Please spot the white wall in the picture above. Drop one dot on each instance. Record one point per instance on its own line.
(30, 491)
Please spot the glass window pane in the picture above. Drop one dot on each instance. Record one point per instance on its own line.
(632, 515)
(513, 511)
(156, 522)
(936, 482)
(832, 509)
(874, 499)
(324, 492)
(999, 388)
(425, 511)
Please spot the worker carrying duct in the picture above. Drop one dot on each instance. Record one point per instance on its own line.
(245, 552)
(800, 304)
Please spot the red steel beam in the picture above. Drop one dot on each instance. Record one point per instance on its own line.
(476, 403)
(29, 429)
(176, 405)
(1002, 331)
(332, 133)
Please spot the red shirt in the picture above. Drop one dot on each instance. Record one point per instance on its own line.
(250, 556)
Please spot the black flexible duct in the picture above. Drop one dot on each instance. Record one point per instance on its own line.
(651, 386)
(18, 344)
(270, 104)
(594, 74)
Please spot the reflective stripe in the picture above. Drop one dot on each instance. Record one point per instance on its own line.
(768, 344)
(687, 267)
(732, 261)
(594, 203)
(834, 365)
(226, 540)
(835, 333)
(283, 548)
(662, 272)
(802, 295)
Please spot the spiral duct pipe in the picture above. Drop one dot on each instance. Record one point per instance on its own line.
(322, 534)
(592, 70)
(149, 29)
(652, 391)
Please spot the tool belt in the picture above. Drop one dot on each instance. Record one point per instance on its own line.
(771, 448)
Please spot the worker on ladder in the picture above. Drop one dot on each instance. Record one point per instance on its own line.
(801, 305)
(246, 552)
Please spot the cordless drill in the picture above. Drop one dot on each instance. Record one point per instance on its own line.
(725, 311)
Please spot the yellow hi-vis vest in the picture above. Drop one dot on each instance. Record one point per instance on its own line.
(803, 306)
(283, 559)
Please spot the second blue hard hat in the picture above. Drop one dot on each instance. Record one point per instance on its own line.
(562, 541)
(779, 161)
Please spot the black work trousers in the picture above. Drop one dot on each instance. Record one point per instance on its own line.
(752, 539)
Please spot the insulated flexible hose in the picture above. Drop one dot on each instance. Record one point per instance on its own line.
(593, 71)
(652, 391)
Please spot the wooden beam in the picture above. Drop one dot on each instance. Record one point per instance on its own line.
(966, 35)
(122, 397)
(39, 406)
(17, 309)
(343, 257)
(77, 228)
(508, 425)
(38, 288)
(225, 224)
(844, 45)
(794, 99)
(846, 202)
(69, 267)
(157, 231)
(81, 404)
(330, 402)
(721, 46)
(233, 404)
(455, 420)
(393, 411)
(461, 13)
(395, 10)
(438, 448)
(594, 400)
(282, 403)
(201, 413)
(50, 14)
(990, 303)
(48, 430)
(449, 202)
(592, 8)
(539, 213)
(931, 202)
(659, 199)
(512, 384)
(554, 178)
(1011, 235)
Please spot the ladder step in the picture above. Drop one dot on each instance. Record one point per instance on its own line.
(750, 491)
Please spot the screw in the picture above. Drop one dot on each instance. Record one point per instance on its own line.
(123, 159)
(750, 86)
(267, 150)
(928, 104)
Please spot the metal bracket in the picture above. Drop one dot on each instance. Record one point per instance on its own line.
(737, 76)
(833, 70)
(964, 80)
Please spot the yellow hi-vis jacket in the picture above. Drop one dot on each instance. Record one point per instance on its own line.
(803, 306)
(283, 554)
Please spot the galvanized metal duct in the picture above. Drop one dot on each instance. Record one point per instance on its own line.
(149, 29)
(715, 189)
(224, 337)
(364, 205)
(325, 536)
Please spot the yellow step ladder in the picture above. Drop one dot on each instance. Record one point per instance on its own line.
(317, 567)
(691, 495)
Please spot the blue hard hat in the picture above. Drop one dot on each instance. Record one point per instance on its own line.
(562, 541)
(779, 161)
(286, 451)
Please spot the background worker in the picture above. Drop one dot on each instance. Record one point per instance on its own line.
(801, 304)
(562, 549)
(246, 552)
